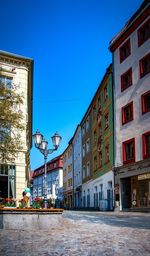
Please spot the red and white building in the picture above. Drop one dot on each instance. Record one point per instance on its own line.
(54, 180)
(131, 61)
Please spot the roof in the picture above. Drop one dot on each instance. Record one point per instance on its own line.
(131, 24)
(9, 54)
(49, 162)
(31, 175)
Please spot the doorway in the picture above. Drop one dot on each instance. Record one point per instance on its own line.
(126, 193)
(3, 186)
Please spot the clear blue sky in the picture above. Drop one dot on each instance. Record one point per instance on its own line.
(68, 40)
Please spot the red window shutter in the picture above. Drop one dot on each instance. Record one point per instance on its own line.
(144, 146)
(123, 118)
(124, 152)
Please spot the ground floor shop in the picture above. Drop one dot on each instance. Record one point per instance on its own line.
(68, 199)
(133, 186)
(99, 193)
(78, 197)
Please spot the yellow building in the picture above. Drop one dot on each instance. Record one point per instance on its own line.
(68, 177)
(14, 177)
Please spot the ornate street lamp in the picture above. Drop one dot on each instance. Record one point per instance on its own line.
(42, 144)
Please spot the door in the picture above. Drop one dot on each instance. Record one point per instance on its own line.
(110, 199)
(126, 193)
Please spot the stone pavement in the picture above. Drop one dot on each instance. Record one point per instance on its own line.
(85, 234)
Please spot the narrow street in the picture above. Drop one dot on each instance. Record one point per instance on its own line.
(83, 233)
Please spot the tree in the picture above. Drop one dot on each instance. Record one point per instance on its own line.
(11, 122)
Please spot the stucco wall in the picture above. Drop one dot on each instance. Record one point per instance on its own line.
(141, 123)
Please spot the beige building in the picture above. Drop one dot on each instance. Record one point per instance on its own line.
(68, 176)
(18, 72)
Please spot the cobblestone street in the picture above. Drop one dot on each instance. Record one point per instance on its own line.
(83, 233)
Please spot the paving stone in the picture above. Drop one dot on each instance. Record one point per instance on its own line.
(85, 234)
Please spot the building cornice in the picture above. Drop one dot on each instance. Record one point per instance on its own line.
(141, 14)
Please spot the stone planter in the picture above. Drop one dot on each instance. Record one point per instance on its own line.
(27, 219)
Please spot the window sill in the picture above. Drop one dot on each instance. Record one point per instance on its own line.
(125, 122)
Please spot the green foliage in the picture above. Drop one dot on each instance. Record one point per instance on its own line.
(7, 202)
(36, 205)
(11, 124)
(22, 204)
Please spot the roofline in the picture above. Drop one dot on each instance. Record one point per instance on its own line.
(105, 75)
(128, 26)
(49, 162)
(9, 54)
(80, 124)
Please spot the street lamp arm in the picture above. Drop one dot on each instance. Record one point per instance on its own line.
(46, 152)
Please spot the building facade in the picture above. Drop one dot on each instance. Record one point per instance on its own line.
(54, 181)
(131, 61)
(68, 176)
(86, 158)
(77, 168)
(98, 181)
(18, 72)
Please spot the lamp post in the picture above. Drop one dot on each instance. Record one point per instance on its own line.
(42, 144)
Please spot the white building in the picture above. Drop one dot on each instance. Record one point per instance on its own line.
(77, 167)
(95, 192)
(131, 56)
(18, 71)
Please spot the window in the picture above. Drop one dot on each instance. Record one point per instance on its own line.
(95, 138)
(94, 112)
(4, 134)
(145, 98)
(87, 146)
(100, 128)
(70, 182)
(69, 168)
(83, 130)
(64, 172)
(106, 121)
(95, 163)
(99, 103)
(145, 65)
(129, 151)
(105, 92)
(6, 82)
(87, 123)
(84, 172)
(83, 149)
(69, 153)
(88, 169)
(107, 154)
(125, 50)
(100, 159)
(126, 80)
(127, 113)
(144, 33)
(146, 145)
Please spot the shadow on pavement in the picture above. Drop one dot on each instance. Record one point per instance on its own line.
(141, 222)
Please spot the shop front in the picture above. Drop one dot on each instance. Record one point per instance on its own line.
(141, 190)
(132, 186)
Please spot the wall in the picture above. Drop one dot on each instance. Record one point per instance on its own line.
(140, 124)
